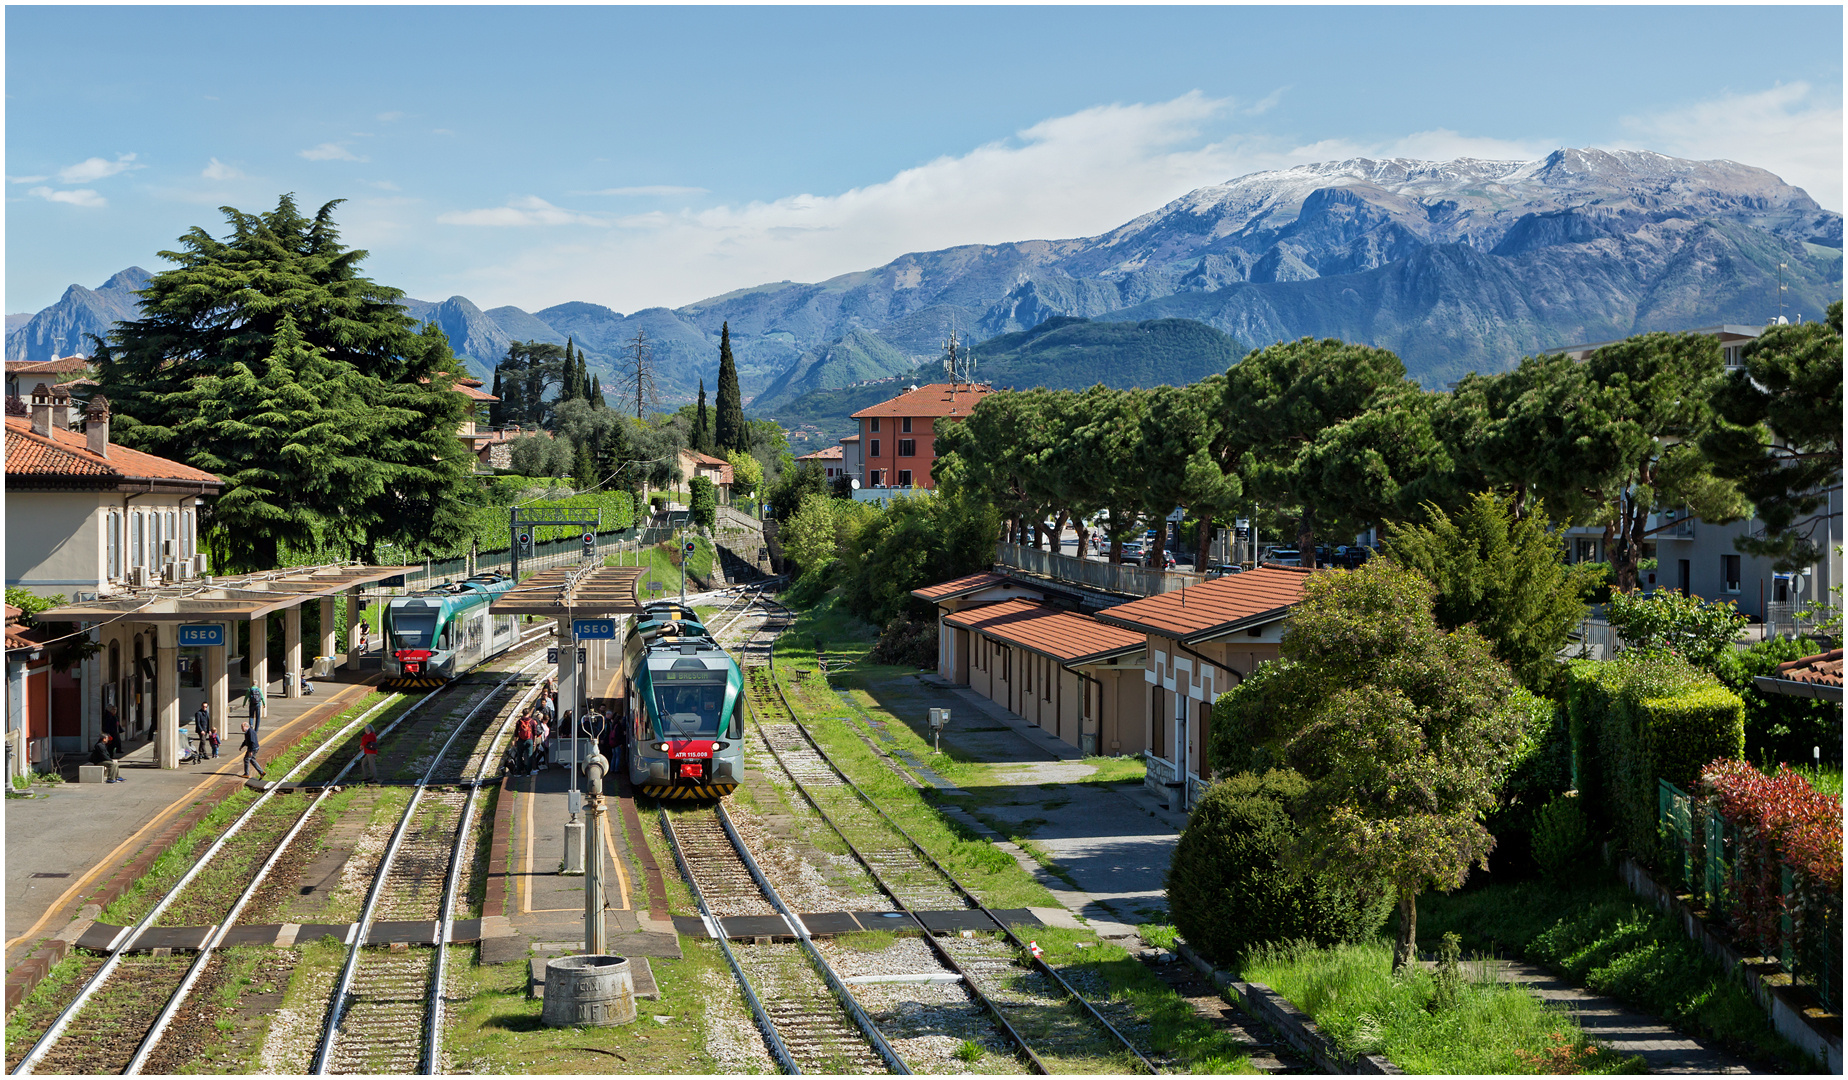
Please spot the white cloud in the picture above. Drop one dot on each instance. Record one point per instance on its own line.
(646, 189)
(388, 117)
(527, 210)
(27, 179)
(80, 197)
(1787, 129)
(1266, 103)
(218, 170)
(1439, 144)
(384, 185)
(328, 151)
(93, 169)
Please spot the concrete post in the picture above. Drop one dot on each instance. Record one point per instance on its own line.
(352, 624)
(596, 941)
(218, 683)
(167, 696)
(258, 660)
(292, 650)
(327, 627)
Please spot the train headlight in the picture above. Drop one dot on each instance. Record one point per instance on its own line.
(721, 746)
(663, 747)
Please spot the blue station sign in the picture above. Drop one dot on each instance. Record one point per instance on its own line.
(593, 629)
(202, 634)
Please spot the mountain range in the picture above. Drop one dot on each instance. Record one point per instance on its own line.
(1460, 265)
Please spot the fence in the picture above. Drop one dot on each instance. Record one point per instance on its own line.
(1092, 574)
(1703, 850)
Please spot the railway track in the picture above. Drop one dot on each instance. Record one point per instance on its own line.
(385, 1015)
(128, 1004)
(1029, 1000)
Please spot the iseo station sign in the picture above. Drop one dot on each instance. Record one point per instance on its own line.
(196, 634)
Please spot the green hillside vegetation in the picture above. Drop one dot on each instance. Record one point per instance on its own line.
(857, 356)
(1066, 353)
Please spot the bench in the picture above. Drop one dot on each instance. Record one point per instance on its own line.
(90, 774)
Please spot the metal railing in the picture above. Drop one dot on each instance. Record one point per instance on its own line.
(1092, 573)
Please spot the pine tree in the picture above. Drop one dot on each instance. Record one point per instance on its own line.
(701, 431)
(730, 433)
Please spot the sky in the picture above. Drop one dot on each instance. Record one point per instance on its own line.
(657, 156)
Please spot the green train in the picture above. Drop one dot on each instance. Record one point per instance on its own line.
(435, 635)
(686, 707)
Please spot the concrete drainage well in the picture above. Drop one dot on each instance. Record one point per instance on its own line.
(588, 991)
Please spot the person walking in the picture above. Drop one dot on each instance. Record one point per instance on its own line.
(202, 727)
(103, 754)
(254, 698)
(250, 753)
(369, 753)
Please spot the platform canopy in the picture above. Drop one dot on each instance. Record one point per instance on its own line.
(574, 592)
(222, 599)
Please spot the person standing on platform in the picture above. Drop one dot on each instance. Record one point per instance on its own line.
(202, 727)
(254, 698)
(250, 753)
(522, 739)
(112, 725)
(369, 753)
(103, 753)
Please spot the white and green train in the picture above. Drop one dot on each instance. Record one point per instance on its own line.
(685, 694)
(435, 635)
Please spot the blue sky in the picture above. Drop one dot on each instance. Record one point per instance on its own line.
(635, 157)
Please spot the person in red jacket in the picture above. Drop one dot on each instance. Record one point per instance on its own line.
(522, 742)
(369, 753)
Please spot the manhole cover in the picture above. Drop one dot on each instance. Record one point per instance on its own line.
(51, 875)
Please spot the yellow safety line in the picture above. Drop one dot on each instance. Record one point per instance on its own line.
(526, 871)
(609, 845)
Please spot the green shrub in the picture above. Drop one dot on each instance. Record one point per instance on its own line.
(1780, 728)
(702, 502)
(1561, 839)
(812, 586)
(908, 641)
(1229, 891)
(1644, 716)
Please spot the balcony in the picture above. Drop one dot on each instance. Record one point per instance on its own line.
(1092, 573)
(1671, 525)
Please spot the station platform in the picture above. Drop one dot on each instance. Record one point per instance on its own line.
(534, 909)
(71, 845)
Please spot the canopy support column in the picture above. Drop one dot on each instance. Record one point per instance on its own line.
(166, 696)
(292, 650)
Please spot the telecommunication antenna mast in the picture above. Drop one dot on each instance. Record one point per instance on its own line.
(959, 364)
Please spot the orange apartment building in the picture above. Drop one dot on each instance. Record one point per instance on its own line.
(898, 437)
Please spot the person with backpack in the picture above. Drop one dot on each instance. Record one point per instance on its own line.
(522, 742)
(253, 697)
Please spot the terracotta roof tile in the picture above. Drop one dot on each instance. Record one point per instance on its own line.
(1213, 607)
(933, 400)
(67, 454)
(832, 453)
(1823, 669)
(967, 584)
(61, 365)
(1063, 635)
(471, 392)
(851, 438)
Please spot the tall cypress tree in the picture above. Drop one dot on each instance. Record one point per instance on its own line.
(596, 393)
(496, 415)
(730, 433)
(701, 429)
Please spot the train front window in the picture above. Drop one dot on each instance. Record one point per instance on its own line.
(689, 708)
(413, 629)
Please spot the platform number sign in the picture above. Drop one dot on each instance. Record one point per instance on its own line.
(593, 629)
(551, 656)
(197, 634)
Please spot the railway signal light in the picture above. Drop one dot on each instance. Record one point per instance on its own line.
(590, 544)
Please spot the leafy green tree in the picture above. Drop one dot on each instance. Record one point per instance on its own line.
(1182, 428)
(1779, 435)
(701, 439)
(917, 541)
(532, 369)
(1699, 631)
(542, 455)
(808, 536)
(1294, 403)
(729, 430)
(793, 487)
(1104, 448)
(1404, 733)
(1504, 575)
(583, 465)
(747, 474)
(703, 502)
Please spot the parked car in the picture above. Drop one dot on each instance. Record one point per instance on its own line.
(1352, 555)
(1132, 551)
(1284, 557)
(1223, 569)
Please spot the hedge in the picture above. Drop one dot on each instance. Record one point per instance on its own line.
(1643, 717)
(1229, 890)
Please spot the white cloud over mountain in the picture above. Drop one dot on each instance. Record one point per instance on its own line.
(1789, 129)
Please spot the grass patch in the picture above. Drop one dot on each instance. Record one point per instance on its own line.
(662, 565)
(1604, 938)
(1160, 935)
(1826, 779)
(1354, 998)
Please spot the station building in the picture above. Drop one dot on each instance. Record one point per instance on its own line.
(115, 531)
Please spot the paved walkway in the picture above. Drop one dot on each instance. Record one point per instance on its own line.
(1110, 844)
(62, 843)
